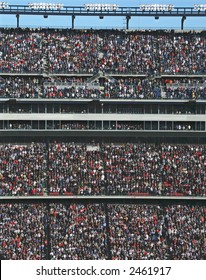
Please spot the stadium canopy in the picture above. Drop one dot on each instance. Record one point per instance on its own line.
(103, 10)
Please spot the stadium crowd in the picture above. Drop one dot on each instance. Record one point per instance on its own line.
(104, 88)
(116, 169)
(22, 231)
(132, 88)
(63, 231)
(90, 51)
(19, 87)
(151, 232)
(23, 169)
(127, 169)
(108, 88)
(108, 169)
(186, 231)
(78, 232)
(19, 125)
(136, 232)
(21, 51)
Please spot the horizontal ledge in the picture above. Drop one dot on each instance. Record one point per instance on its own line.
(103, 198)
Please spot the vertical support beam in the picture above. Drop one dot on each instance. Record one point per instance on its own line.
(102, 105)
(182, 22)
(73, 18)
(109, 252)
(17, 20)
(48, 166)
(127, 21)
(48, 232)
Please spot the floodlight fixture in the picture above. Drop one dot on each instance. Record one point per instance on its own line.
(101, 7)
(200, 7)
(46, 6)
(3, 5)
(156, 7)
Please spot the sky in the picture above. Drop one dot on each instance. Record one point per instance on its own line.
(107, 22)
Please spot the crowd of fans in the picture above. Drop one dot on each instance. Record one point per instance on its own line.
(90, 51)
(182, 126)
(101, 231)
(103, 88)
(175, 232)
(23, 169)
(21, 51)
(73, 169)
(137, 232)
(127, 169)
(125, 125)
(23, 231)
(20, 125)
(186, 231)
(113, 125)
(63, 231)
(19, 87)
(74, 125)
(132, 88)
(78, 232)
(183, 88)
(115, 169)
